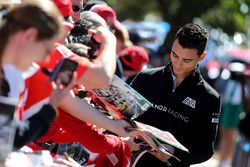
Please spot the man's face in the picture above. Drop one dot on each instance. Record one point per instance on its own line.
(184, 60)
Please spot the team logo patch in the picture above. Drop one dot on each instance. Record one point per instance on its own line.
(215, 120)
(190, 102)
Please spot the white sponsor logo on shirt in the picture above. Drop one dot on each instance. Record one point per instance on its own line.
(190, 102)
(215, 120)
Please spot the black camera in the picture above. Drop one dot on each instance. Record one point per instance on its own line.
(79, 34)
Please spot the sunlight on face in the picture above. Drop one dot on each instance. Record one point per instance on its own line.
(184, 60)
(36, 51)
(43, 48)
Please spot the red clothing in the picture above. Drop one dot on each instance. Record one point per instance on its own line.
(120, 158)
(39, 87)
(66, 128)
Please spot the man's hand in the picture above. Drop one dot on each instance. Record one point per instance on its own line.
(131, 144)
(162, 154)
(120, 127)
(64, 162)
(143, 135)
(102, 35)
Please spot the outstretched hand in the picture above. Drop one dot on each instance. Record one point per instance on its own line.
(162, 154)
(102, 34)
(131, 144)
(120, 128)
(143, 135)
(159, 150)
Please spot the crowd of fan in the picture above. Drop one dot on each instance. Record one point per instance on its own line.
(34, 36)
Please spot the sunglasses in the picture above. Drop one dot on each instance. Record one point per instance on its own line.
(76, 8)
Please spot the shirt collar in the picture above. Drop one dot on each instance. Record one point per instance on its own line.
(192, 78)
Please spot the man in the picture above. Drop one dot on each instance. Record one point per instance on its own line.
(184, 103)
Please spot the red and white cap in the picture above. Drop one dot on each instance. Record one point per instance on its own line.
(107, 13)
(64, 6)
(134, 57)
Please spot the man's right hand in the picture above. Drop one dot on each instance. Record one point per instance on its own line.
(120, 127)
(163, 155)
(103, 35)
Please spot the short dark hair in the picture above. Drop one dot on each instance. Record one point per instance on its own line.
(192, 36)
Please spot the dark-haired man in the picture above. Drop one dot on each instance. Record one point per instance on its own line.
(184, 103)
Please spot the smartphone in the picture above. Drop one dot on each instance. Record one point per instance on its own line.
(64, 69)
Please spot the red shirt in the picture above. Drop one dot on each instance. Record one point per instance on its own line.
(66, 128)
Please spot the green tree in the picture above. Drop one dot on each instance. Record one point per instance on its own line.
(180, 12)
(229, 15)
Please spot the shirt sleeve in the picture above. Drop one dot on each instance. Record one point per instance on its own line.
(86, 134)
(204, 134)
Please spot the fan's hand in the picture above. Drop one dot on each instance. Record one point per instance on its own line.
(162, 154)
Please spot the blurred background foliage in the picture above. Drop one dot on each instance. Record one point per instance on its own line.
(232, 16)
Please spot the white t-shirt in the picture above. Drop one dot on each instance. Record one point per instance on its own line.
(16, 88)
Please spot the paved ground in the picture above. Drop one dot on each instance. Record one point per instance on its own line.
(210, 163)
(213, 162)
